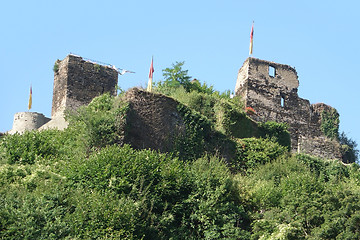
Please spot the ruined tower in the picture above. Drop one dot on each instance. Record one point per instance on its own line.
(77, 82)
(27, 121)
(271, 89)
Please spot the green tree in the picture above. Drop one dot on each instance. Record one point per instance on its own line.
(349, 149)
(176, 76)
(330, 123)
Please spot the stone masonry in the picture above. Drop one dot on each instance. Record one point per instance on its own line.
(271, 89)
(77, 82)
(26, 121)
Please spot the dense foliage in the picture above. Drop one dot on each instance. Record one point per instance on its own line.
(349, 149)
(277, 132)
(85, 183)
(330, 123)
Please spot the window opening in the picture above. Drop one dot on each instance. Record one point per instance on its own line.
(282, 101)
(272, 71)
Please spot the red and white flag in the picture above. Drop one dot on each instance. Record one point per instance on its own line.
(251, 39)
(149, 86)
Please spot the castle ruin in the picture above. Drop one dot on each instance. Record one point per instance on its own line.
(26, 121)
(271, 89)
(76, 83)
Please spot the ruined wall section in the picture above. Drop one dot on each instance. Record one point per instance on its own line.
(241, 82)
(273, 95)
(60, 86)
(316, 110)
(153, 121)
(271, 89)
(78, 81)
(320, 146)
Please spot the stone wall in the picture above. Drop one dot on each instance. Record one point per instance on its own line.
(27, 121)
(271, 89)
(77, 82)
(153, 121)
(320, 146)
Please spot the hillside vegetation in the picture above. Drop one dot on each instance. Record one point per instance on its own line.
(226, 178)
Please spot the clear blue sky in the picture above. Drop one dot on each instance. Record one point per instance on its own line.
(319, 38)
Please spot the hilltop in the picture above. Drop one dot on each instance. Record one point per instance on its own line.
(181, 162)
(214, 173)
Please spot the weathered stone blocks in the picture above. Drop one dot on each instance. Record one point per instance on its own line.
(272, 90)
(27, 121)
(77, 82)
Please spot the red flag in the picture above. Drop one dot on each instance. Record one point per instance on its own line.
(149, 87)
(251, 39)
(151, 69)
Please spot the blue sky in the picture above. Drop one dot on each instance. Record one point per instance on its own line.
(319, 38)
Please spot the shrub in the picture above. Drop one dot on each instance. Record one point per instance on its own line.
(192, 144)
(56, 66)
(278, 132)
(37, 212)
(30, 146)
(350, 153)
(97, 67)
(325, 170)
(232, 120)
(213, 209)
(251, 152)
(101, 123)
(330, 123)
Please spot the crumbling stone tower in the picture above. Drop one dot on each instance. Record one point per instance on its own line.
(27, 121)
(77, 82)
(271, 89)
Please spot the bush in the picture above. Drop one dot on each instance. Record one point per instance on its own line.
(330, 123)
(30, 146)
(101, 123)
(251, 152)
(56, 66)
(278, 132)
(350, 152)
(34, 213)
(166, 197)
(232, 120)
(214, 207)
(193, 143)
